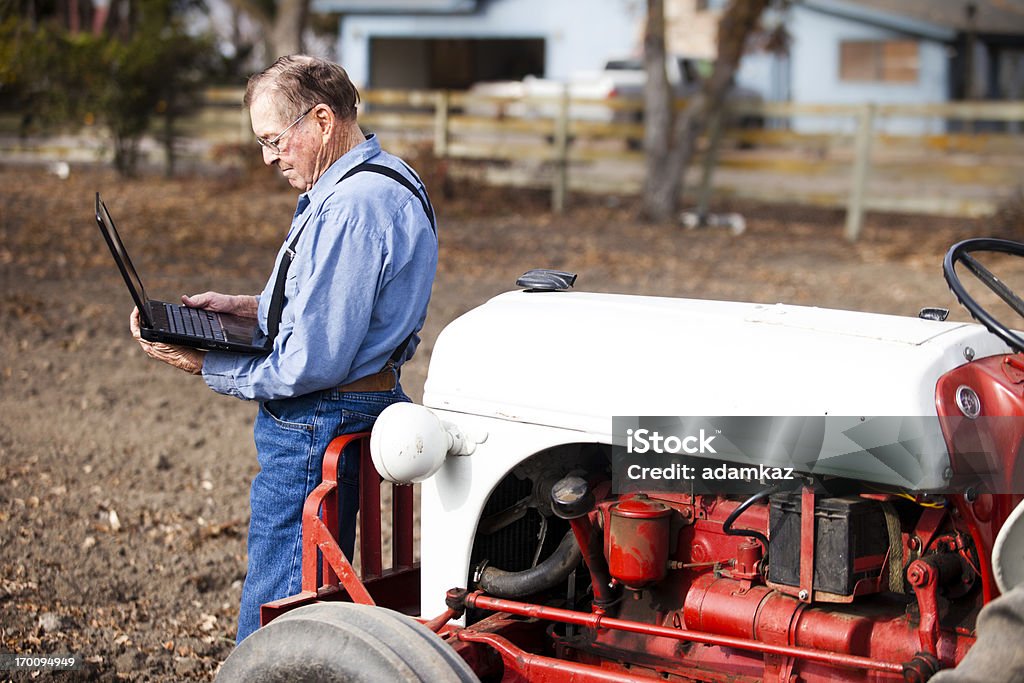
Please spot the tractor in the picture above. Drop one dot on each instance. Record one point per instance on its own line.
(618, 489)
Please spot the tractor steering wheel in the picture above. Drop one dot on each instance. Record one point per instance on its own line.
(961, 253)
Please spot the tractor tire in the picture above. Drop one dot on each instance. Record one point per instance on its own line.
(344, 642)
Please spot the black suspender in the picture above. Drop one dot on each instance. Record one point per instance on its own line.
(277, 300)
(401, 179)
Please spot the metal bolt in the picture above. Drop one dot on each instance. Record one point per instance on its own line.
(947, 473)
(968, 353)
(971, 494)
(803, 595)
(919, 573)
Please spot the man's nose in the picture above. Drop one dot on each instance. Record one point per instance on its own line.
(269, 156)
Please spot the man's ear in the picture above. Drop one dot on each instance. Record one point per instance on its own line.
(325, 120)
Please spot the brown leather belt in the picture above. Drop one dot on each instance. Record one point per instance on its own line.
(382, 381)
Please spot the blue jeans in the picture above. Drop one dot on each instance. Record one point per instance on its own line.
(291, 436)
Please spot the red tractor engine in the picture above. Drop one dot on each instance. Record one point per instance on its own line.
(808, 585)
(784, 586)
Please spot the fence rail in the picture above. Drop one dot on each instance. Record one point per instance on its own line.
(968, 162)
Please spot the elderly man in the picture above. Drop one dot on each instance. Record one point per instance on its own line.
(340, 311)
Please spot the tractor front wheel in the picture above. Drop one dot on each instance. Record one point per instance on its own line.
(344, 642)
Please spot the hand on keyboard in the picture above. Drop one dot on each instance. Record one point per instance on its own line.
(235, 304)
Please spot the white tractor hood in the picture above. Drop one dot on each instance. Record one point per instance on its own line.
(573, 360)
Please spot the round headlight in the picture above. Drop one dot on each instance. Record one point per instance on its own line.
(408, 443)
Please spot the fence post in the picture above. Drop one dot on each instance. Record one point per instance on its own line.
(861, 167)
(708, 167)
(560, 185)
(441, 124)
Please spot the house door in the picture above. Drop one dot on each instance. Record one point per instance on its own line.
(452, 63)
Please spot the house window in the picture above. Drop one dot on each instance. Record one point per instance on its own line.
(879, 61)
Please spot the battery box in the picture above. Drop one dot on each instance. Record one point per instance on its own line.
(850, 541)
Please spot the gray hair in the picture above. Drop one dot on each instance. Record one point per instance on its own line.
(302, 82)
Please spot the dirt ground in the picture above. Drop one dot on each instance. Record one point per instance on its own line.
(123, 508)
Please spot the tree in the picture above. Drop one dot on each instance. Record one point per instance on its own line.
(283, 22)
(670, 137)
(141, 65)
(154, 74)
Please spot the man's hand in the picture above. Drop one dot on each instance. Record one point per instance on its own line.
(235, 304)
(181, 357)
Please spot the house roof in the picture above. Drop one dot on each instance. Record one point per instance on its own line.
(990, 16)
(396, 6)
(864, 12)
(924, 17)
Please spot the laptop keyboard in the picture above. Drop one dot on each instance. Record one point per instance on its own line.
(193, 322)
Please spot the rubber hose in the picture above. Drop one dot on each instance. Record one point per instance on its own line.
(727, 525)
(547, 574)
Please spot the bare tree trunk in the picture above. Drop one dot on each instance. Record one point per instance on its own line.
(670, 154)
(658, 101)
(283, 31)
(289, 23)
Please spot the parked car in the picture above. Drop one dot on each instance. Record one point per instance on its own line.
(598, 95)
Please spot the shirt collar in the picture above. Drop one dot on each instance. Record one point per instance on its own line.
(324, 186)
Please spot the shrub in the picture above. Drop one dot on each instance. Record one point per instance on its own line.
(58, 79)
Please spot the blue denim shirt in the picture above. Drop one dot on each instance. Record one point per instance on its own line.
(358, 285)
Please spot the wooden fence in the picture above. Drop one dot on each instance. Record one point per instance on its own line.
(854, 164)
(969, 163)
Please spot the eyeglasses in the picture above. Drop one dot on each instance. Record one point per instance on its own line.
(273, 145)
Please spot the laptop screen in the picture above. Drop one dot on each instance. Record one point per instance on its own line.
(124, 262)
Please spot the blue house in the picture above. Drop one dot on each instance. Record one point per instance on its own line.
(893, 51)
(839, 51)
(843, 52)
(455, 43)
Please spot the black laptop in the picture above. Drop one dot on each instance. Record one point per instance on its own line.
(173, 323)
